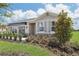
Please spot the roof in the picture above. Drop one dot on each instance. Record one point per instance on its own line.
(48, 14)
(20, 21)
(33, 19)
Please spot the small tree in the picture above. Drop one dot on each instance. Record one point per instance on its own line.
(63, 27)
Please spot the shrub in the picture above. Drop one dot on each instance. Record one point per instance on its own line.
(15, 36)
(20, 36)
(43, 40)
(0, 34)
(3, 35)
(63, 28)
(53, 42)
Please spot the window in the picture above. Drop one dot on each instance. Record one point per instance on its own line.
(53, 23)
(22, 29)
(10, 27)
(53, 26)
(41, 26)
(25, 23)
(14, 30)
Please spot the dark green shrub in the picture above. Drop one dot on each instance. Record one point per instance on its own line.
(11, 35)
(3, 35)
(0, 35)
(15, 36)
(63, 27)
(7, 34)
(20, 37)
(53, 42)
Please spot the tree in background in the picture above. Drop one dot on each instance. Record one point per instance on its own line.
(63, 28)
(4, 7)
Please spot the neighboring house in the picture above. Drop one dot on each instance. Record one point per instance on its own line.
(43, 24)
(3, 28)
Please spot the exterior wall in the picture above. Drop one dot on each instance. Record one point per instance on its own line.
(48, 20)
(12, 27)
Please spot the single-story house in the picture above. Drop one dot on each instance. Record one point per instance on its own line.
(3, 28)
(43, 24)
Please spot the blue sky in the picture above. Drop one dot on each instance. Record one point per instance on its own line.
(26, 6)
(36, 6)
(30, 10)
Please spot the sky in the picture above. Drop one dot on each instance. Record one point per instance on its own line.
(32, 10)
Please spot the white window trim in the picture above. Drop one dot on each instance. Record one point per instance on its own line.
(52, 26)
(43, 25)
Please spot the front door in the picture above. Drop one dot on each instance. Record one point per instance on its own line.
(31, 28)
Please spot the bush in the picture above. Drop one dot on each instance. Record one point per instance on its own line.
(42, 40)
(3, 35)
(0, 35)
(53, 42)
(67, 49)
(63, 28)
(15, 36)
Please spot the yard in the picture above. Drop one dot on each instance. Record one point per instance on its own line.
(13, 48)
(75, 37)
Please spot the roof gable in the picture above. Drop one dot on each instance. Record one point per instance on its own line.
(54, 15)
(51, 14)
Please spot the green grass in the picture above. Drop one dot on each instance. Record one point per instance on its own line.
(13, 48)
(75, 37)
(29, 49)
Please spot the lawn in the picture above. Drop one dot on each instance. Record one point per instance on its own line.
(75, 37)
(13, 48)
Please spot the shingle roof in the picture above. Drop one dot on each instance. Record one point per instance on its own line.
(26, 20)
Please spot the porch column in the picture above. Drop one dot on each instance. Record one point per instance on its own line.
(25, 28)
(36, 28)
(17, 30)
(49, 28)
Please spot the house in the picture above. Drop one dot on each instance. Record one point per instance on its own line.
(3, 28)
(43, 24)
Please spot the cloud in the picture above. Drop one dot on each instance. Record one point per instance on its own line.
(76, 24)
(21, 15)
(30, 14)
(76, 13)
(77, 4)
(50, 8)
(17, 15)
(58, 8)
(41, 11)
